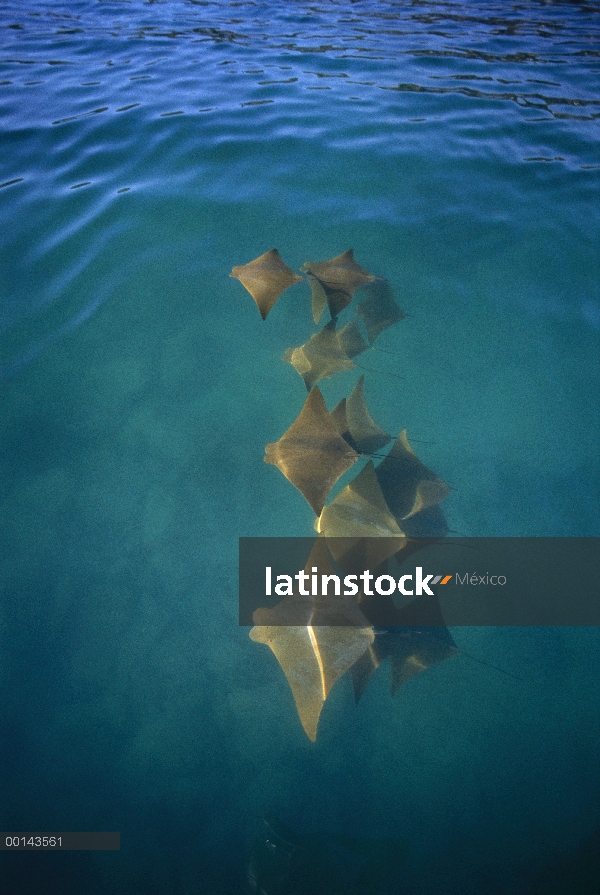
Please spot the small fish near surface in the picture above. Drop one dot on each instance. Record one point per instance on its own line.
(283, 862)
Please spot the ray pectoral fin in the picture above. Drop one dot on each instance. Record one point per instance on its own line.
(429, 493)
(365, 433)
(319, 296)
(265, 278)
(315, 639)
(339, 417)
(293, 649)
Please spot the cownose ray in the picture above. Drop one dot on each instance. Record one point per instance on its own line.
(312, 454)
(315, 654)
(408, 486)
(320, 357)
(363, 511)
(334, 282)
(360, 530)
(378, 309)
(404, 482)
(313, 660)
(355, 423)
(329, 351)
(414, 636)
(412, 648)
(265, 278)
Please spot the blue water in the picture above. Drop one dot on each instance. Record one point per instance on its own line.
(145, 149)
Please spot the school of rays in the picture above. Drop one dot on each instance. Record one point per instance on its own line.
(386, 511)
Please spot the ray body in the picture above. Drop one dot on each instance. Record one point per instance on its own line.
(408, 486)
(320, 357)
(313, 655)
(313, 660)
(265, 278)
(328, 352)
(312, 454)
(336, 280)
(361, 531)
(378, 309)
(411, 648)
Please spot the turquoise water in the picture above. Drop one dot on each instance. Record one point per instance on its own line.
(146, 148)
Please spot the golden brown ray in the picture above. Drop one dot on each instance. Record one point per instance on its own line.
(328, 352)
(312, 454)
(358, 524)
(338, 279)
(313, 660)
(364, 431)
(412, 648)
(320, 357)
(363, 434)
(265, 278)
(378, 310)
(408, 486)
(313, 655)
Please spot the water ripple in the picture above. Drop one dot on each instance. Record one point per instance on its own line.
(228, 99)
